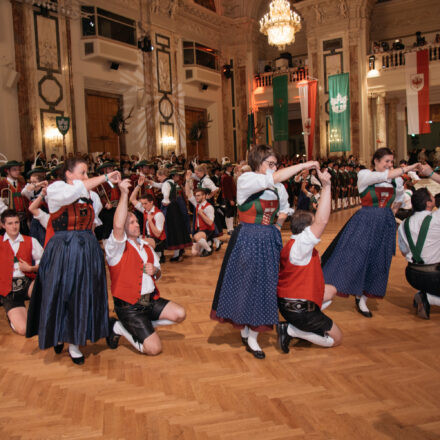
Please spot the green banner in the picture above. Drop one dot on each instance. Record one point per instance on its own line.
(339, 106)
(280, 108)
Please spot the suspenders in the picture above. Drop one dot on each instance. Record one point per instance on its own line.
(416, 249)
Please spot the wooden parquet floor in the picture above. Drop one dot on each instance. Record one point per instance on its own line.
(383, 382)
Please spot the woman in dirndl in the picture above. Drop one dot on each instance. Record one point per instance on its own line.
(69, 301)
(176, 224)
(246, 293)
(358, 260)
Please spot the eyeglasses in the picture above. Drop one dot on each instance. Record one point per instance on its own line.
(271, 164)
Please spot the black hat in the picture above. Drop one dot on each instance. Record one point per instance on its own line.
(36, 170)
(106, 164)
(142, 163)
(10, 164)
(53, 170)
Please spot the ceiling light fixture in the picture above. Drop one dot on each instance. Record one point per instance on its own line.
(280, 24)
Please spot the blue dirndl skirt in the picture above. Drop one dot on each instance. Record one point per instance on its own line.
(246, 292)
(69, 301)
(37, 231)
(358, 260)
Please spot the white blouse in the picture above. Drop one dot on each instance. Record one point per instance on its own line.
(61, 194)
(380, 179)
(250, 183)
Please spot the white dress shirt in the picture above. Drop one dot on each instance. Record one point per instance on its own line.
(380, 179)
(114, 250)
(37, 252)
(208, 183)
(301, 251)
(431, 249)
(250, 183)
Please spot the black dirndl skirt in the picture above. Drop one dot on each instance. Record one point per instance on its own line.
(69, 301)
(176, 228)
(246, 292)
(358, 260)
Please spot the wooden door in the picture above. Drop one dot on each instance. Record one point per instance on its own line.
(100, 112)
(192, 115)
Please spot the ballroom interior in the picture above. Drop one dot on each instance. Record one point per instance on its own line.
(161, 66)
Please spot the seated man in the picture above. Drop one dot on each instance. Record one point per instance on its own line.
(302, 293)
(19, 259)
(153, 224)
(134, 268)
(419, 237)
(204, 229)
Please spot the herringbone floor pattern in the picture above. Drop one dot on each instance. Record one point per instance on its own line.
(383, 382)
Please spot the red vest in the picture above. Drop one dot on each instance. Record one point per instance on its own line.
(202, 225)
(74, 217)
(19, 203)
(162, 236)
(7, 262)
(378, 196)
(300, 282)
(126, 276)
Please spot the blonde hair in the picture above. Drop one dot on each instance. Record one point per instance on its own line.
(202, 167)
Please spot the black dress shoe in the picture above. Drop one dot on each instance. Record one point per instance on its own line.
(259, 354)
(423, 306)
(175, 259)
(205, 253)
(162, 259)
(112, 339)
(283, 337)
(366, 314)
(58, 348)
(244, 340)
(77, 361)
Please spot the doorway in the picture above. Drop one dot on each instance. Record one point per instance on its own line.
(100, 111)
(192, 116)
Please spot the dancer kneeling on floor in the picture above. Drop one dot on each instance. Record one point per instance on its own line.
(302, 293)
(419, 237)
(19, 259)
(204, 221)
(134, 268)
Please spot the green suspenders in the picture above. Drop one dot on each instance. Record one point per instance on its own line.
(416, 250)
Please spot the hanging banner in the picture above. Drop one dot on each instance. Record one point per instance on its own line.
(307, 98)
(269, 130)
(280, 108)
(251, 130)
(339, 109)
(417, 91)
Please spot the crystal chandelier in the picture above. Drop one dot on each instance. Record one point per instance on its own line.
(280, 24)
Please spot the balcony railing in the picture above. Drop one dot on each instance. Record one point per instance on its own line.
(294, 75)
(392, 59)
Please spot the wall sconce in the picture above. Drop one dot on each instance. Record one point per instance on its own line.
(168, 142)
(52, 134)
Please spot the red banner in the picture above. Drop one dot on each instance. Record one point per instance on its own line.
(307, 97)
(417, 91)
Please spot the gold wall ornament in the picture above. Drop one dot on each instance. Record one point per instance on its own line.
(280, 24)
